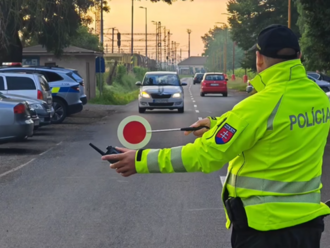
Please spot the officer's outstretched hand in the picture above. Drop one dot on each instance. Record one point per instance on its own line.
(199, 133)
(126, 162)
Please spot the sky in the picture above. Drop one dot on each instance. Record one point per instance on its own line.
(199, 16)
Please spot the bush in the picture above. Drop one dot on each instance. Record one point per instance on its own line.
(121, 71)
(241, 72)
(139, 72)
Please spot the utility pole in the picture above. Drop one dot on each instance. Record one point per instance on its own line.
(180, 54)
(132, 29)
(289, 13)
(113, 38)
(102, 23)
(146, 29)
(189, 32)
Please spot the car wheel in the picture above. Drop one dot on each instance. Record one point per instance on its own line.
(225, 94)
(60, 111)
(202, 94)
(142, 110)
(181, 110)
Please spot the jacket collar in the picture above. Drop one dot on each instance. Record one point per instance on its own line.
(281, 72)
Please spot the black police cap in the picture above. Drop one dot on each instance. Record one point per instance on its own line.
(273, 39)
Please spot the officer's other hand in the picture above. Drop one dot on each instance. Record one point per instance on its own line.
(205, 122)
(126, 162)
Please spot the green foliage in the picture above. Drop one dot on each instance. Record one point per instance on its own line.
(240, 72)
(85, 39)
(139, 72)
(214, 46)
(121, 72)
(249, 17)
(238, 84)
(314, 22)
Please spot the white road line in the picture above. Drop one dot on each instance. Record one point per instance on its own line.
(23, 165)
(194, 101)
(17, 168)
(46, 151)
(222, 180)
(200, 118)
(195, 106)
(197, 111)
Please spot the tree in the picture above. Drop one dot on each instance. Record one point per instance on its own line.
(51, 23)
(314, 26)
(249, 17)
(214, 44)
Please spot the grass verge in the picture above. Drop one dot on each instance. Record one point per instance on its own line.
(185, 76)
(238, 84)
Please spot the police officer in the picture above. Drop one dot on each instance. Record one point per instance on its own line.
(274, 142)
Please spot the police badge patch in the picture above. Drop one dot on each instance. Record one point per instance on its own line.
(225, 134)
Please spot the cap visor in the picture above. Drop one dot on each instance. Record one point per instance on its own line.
(253, 49)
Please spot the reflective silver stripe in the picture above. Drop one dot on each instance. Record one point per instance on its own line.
(271, 118)
(152, 160)
(176, 160)
(308, 198)
(274, 186)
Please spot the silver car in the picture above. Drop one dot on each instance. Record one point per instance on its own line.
(42, 109)
(15, 120)
(161, 90)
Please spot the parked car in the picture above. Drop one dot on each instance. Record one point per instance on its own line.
(42, 109)
(35, 118)
(15, 122)
(319, 76)
(161, 90)
(198, 78)
(65, 91)
(214, 82)
(69, 74)
(325, 86)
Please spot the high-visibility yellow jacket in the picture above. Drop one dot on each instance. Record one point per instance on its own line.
(274, 141)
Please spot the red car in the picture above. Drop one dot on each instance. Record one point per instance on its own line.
(214, 83)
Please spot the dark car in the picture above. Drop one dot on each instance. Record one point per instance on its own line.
(198, 78)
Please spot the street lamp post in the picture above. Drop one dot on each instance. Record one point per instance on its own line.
(156, 23)
(189, 32)
(146, 9)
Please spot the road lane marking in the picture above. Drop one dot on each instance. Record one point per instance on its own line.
(194, 101)
(17, 168)
(27, 163)
(200, 118)
(222, 180)
(195, 106)
(197, 111)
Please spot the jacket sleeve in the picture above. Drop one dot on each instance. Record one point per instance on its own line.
(229, 136)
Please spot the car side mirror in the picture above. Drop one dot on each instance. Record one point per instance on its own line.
(226, 79)
(184, 84)
(138, 83)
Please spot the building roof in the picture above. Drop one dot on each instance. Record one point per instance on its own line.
(71, 50)
(193, 60)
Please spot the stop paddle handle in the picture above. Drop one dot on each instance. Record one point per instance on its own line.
(192, 129)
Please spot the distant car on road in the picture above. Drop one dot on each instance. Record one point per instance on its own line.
(198, 78)
(161, 90)
(325, 86)
(214, 83)
(15, 122)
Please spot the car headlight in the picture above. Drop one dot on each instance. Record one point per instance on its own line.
(145, 94)
(36, 106)
(177, 95)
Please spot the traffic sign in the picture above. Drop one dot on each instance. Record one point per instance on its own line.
(99, 65)
(133, 132)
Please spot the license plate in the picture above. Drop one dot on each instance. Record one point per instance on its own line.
(160, 101)
(214, 84)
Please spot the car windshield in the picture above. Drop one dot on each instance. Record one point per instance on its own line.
(215, 77)
(161, 79)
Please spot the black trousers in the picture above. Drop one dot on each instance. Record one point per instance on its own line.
(307, 235)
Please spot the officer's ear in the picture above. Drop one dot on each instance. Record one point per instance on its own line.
(300, 55)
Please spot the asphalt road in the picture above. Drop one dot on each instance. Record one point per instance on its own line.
(69, 198)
